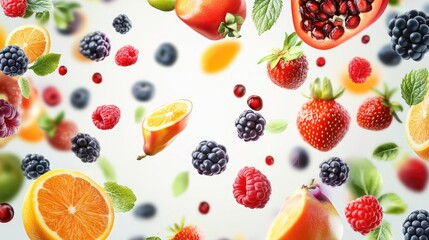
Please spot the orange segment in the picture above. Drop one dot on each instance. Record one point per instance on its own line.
(219, 56)
(167, 115)
(34, 40)
(360, 88)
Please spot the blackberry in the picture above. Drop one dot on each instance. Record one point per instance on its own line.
(409, 34)
(250, 125)
(210, 158)
(334, 172)
(95, 46)
(85, 147)
(34, 166)
(416, 226)
(122, 24)
(13, 61)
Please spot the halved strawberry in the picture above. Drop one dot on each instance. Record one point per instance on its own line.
(59, 132)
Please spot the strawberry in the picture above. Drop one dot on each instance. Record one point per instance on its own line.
(413, 173)
(190, 232)
(287, 67)
(376, 113)
(322, 122)
(59, 132)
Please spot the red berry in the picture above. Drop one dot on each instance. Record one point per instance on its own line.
(320, 61)
(52, 96)
(365, 39)
(14, 8)
(126, 56)
(6, 212)
(10, 91)
(359, 70)
(252, 188)
(269, 160)
(204, 207)
(290, 74)
(364, 214)
(10, 119)
(374, 115)
(106, 116)
(255, 102)
(239, 90)
(62, 70)
(97, 78)
(413, 174)
(64, 132)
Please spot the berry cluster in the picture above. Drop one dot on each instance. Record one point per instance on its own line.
(95, 46)
(210, 158)
(34, 166)
(85, 147)
(13, 61)
(122, 24)
(250, 125)
(334, 172)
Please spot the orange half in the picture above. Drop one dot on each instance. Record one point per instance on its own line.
(167, 115)
(417, 128)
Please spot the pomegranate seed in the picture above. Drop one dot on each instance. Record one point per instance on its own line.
(342, 9)
(327, 28)
(322, 16)
(307, 25)
(352, 7)
(97, 78)
(320, 61)
(328, 7)
(204, 207)
(318, 24)
(239, 90)
(336, 33)
(6, 212)
(317, 33)
(62, 70)
(255, 102)
(338, 22)
(312, 6)
(302, 10)
(365, 39)
(352, 22)
(363, 6)
(269, 160)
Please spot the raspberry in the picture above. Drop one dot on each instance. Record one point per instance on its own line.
(126, 56)
(364, 214)
(51, 96)
(10, 119)
(106, 116)
(14, 8)
(359, 70)
(252, 188)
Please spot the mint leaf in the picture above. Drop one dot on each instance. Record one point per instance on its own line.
(24, 86)
(39, 6)
(414, 86)
(138, 115)
(386, 152)
(392, 203)
(180, 184)
(276, 126)
(107, 169)
(265, 13)
(60, 19)
(46, 64)
(122, 197)
(383, 232)
(153, 238)
(364, 178)
(27, 14)
(43, 17)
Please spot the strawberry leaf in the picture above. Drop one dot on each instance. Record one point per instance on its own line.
(153, 238)
(386, 152)
(392, 203)
(383, 232)
(414, 86)
(265, 13)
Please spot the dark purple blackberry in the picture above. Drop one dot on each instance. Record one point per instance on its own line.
(416, 226)
(10, 119)
(85, 147)
(34, 166)
(210, 158)
(334, 172)
(409, 34)
(95, 46)
(250, 125)
(122, 24)
(13, 61)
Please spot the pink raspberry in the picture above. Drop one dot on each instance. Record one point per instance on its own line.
(364, 214)
(359, 70)
(252, 188)
(52, 96)
(10, 119)
(106, 116)
(14, 8)
(126, 56)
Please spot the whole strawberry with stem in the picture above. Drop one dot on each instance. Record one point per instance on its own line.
(376, 113)
(189, 232)
(59, 132)
(287, 67)
(322, 122)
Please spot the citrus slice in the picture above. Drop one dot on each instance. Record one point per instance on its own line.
(219, 56)
(417, 128)
(67, 205)
(167, 115)
(34, 40)
(360, 88)
(2, 36)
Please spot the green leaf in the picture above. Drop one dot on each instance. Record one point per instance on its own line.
(46, 64)
(265, 13)
(364, 178)
(386, 152)
(392, 203)
(107, 169)
(28, 13)
(394, 3)
(153, 238)
(138, 115)
(414, 86)
(122, 197)
(180, 184)
(43, 17)
(24, 86)
(383, 232)
(276, 126)
(39, 6)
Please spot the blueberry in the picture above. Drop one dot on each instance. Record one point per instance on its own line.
(143, 90)
(299, 158)
(146, 210)
(80, 98)
(72, 26)
(138, 238)
(166, 54)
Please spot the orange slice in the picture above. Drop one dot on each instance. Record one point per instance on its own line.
(67, 205)
(2, 37)
(360, 88)
(34, 40)
(219, 56)
(167, 115)
(417, 128)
